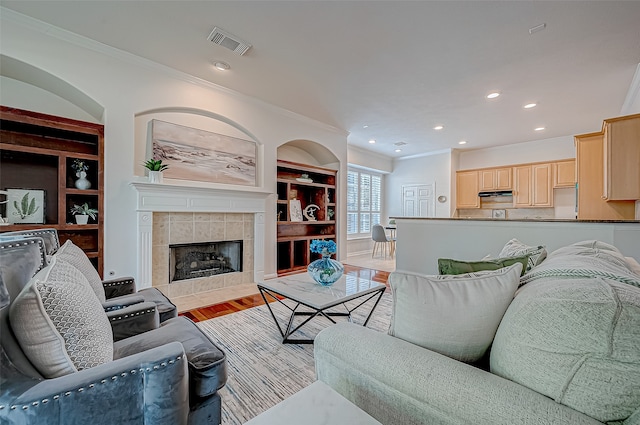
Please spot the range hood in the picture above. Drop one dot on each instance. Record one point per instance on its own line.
(495, 193)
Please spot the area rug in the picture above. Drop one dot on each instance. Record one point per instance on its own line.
(263, 371)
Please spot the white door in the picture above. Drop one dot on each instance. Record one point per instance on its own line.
(418, 200)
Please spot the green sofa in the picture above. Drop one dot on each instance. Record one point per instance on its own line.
(567, 351)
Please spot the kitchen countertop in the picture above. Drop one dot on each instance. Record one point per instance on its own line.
(528, 220)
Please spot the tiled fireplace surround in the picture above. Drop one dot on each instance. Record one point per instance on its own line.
(172, 214)
(178, 228)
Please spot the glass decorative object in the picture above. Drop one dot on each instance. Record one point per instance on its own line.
(325, 271)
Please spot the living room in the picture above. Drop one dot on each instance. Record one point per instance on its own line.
(51, 70)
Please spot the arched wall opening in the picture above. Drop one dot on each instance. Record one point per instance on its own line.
(25, 86)
(308, 152)
(194, 118)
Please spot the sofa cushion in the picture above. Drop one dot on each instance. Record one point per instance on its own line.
(77, 258)
(515, 248)
(575, 340)
(448, 266)
(207, 363)
(59, 323)
(457, 317)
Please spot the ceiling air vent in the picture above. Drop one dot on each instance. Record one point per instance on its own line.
(400, 143)
(230, 41)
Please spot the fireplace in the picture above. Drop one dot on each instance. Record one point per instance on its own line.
(171, 214)
(195, 260)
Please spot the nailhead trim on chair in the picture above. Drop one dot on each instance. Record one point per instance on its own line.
(137, 313)
(118, 283)
(103, 381)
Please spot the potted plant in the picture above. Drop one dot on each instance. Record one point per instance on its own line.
(83, 212)
(155, 167)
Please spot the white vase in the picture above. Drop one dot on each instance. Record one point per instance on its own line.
(82, 219)
(155, 176)
(82, 182)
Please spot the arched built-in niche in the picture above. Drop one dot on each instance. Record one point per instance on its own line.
(194, 118)
(27, 87)
(308, 152)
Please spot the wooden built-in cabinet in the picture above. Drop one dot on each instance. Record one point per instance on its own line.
(532, 186)
(621, 158)
(590, 170)
(294, 237)
(495, 179)
(37, 152)
(467, 186)
(564, 174)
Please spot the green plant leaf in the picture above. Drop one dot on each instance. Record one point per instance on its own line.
(32, 206)
(25, 205)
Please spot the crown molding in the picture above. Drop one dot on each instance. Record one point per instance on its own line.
(90, 44)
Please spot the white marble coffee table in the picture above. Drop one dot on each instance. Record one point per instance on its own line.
(321, 300)
(317, 404)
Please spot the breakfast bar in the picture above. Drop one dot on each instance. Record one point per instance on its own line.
(421, 241)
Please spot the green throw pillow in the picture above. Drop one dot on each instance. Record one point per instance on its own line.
(449, 266)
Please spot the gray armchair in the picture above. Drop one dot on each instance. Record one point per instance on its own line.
(169, 375)
(119, 293)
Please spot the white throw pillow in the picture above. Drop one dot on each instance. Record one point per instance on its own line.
(78, 259)
(457, 317)
(59, 322)
(515, 248)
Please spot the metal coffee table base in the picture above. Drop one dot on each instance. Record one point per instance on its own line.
(316, 312)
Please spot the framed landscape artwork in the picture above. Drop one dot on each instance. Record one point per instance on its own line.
(25, 206)
(194, 154)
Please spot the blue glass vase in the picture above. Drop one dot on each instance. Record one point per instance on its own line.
(325, 271)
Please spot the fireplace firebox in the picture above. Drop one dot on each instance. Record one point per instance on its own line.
(194, 260)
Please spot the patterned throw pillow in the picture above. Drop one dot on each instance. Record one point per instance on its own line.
(456, 317)
(78, 259)
(515, 248)
(448, 266)
(59, 322)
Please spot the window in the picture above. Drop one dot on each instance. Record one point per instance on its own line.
(363, 202)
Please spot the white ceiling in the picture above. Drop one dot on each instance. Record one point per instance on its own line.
(399, 67)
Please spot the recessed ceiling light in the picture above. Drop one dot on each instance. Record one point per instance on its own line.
(438, 127)
(365, 126)
(222, 66)
(539, 128)
(493, 95)
(372, 141)
(462, 142)
(398, 150)
(530, 105)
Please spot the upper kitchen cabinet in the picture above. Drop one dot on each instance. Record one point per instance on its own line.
(532, 186)
(495, 179)
(621, 151)
(589, 171)
(467, 187)
(564, 174)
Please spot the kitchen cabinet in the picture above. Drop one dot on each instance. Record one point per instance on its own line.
(532, 186)
(621, 161)
(38, 152)
(306, 210)
(590, 172)
(495, 179)
(467, 185)
(564, 174)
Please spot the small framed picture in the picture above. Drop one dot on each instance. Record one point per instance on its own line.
(25, 206)
(498, 213)
(295, 210)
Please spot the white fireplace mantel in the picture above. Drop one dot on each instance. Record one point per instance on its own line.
(154, 197)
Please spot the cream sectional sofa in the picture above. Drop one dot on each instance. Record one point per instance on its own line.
(567, 351)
